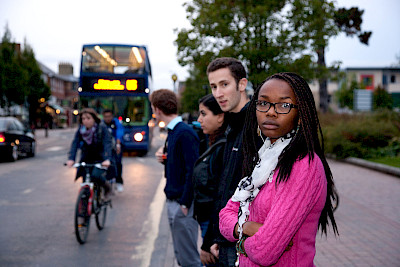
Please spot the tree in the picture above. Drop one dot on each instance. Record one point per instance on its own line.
(268, 36)
(36, 88)
(320, 20)
(382, 99)
(20, 76)
(256, 32)
(13, 77)
(345, 94)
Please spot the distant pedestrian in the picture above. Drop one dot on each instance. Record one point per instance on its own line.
(179, 155)
(207, 171)
(117, 132)
(287, 190)
(228, 82)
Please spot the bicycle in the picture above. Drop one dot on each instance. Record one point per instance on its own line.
(90, 200)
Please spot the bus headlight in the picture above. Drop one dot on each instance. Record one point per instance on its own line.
(161, 124)
(138, 137)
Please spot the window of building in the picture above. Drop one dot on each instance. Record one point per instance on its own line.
(384, 79)
(393, 79)
(368, 81)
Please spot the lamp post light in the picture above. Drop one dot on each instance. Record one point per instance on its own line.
(174, 79)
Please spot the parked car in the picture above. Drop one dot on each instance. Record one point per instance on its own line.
(15, 139)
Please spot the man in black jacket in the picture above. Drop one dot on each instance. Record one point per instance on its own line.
(227, 78)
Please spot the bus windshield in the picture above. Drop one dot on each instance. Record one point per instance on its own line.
(113, 59)
(131, 111)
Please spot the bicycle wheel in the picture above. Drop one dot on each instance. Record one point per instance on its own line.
(82, 217)
(100, 208)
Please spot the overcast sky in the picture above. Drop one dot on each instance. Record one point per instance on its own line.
(57, 30)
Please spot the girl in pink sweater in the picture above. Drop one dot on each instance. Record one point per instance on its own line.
(287, 190)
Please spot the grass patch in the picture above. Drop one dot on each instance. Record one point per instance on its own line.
(390, 161)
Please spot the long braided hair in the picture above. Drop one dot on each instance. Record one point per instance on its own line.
(306, 141)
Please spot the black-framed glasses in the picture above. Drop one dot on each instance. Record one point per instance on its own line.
(280, 108)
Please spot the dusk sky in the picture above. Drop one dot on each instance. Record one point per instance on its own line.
(57, 30)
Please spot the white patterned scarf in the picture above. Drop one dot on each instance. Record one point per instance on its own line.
(250, 186)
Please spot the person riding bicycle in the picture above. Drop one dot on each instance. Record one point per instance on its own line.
(95, 142)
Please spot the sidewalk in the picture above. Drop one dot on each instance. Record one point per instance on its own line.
(52, 135)
(368, 219)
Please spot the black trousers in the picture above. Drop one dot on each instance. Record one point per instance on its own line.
(227, 256)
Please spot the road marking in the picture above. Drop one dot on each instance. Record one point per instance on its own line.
(55, 148)
(27, 191)
(151, 226)
(50, 181)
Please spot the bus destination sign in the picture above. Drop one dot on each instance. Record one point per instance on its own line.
(128, 85)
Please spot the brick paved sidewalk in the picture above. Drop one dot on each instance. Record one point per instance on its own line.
(368, 219)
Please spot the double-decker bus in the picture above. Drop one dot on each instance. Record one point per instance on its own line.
(118, 77)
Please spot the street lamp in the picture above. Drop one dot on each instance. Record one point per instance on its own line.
(174, 79)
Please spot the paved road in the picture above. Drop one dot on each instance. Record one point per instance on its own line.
(37, 200)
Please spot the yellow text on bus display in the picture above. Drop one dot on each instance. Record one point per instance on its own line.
(103, 84)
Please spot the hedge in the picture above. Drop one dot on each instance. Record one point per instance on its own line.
(364, 135)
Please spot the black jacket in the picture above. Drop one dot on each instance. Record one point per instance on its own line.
(232, 169)
(206, 173)
(100, 150)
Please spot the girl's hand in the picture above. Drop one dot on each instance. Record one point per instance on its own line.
(70, 163)
(250, 228)
(106, 163)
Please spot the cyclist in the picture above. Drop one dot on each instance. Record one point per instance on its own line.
(94, 140)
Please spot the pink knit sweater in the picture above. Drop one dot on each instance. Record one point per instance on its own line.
(288, 211)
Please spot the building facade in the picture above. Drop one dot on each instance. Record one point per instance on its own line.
(387, 78)
(64, 94)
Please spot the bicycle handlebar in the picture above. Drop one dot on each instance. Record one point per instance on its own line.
(84, 164)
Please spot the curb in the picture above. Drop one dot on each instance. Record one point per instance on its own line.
(374, 166)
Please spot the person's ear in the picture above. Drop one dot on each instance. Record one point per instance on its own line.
(155, 110)
(242, 84)
(220, 118)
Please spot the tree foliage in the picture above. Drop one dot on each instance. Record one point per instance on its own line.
(268, 36)
(382, 99)
(319, 21)
(345, 94)
(256, 32)
(20, 76)
(13, 77)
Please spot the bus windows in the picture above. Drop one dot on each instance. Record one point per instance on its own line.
(132, 110)
(114, 59)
